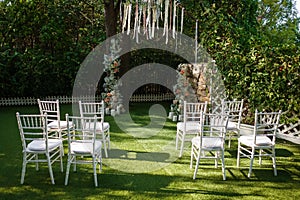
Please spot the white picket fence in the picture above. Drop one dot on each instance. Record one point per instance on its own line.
(23, 101)
(290, 132)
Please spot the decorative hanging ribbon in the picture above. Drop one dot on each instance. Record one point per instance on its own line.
(129, 19)
(125, 17)
(154, 18)
(174, 18)
(148, 20)
(181, 24)
(166, 24)
(136, 21)
(196, 42)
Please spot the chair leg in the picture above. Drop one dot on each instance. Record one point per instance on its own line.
(50, 169)
(74, 163)
(100, 162)
(61, 159)
(176, 141)
(251, 162)
(23, 168)
(238, 155)
(181, 146)
(105, 148)
(37, 163)
(274, 161)
(229, 141)
(216, 159)
(192, 158)
(95, 171)
(68, 171)
(223, 166)
(196, 167)
(108, 139)
(259, 157)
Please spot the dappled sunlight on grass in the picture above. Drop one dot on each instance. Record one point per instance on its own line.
(146, 168)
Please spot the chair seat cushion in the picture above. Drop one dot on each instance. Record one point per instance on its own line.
(54, 124)
(85, 147)
(99, 127)
(40, 145)
(190, 126)
(260, 140)
(209, 143)
(231, 125)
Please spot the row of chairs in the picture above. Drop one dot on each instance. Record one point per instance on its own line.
(207, 133)
(42, 137)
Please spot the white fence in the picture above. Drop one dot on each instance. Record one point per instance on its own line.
(290, 132)
(22, 101)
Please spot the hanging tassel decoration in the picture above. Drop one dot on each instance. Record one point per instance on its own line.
(154, 18)
(136, 20)
(174, 18)
(144, 19)
(166, 24)
(148, 21)
(181, 23)
(129, 19)
(140, 18)
(124, 17)
(121, 14)
(196, 42)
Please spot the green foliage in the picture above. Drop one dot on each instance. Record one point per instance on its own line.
(255, 45)
(43, 43)
(257, 53)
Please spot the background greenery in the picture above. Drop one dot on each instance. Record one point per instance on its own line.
(255, 45)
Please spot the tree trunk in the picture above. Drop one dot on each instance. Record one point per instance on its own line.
(111, 27)
(111, 14)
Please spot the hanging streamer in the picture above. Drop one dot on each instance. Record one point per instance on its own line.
(148, 21)
(171, 19)
(158, 13)
(144, 19)
(121, 16)
(174, 18)
(136, 20)
(125, 17)
(196, 42)
(129, 19)
(166, 24)
(140, 18)
(154, 18)
(176, 34)
(182, 16)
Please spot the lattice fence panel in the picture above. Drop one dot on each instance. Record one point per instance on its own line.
(290, 132)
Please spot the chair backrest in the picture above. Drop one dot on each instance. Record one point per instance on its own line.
(81, 129)
(192, 111)
(89, 109)
(233, 109)
(213, 126)
(51, 108)
(266, 123)
(32, 127)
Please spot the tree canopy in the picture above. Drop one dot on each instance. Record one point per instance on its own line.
(255, 45)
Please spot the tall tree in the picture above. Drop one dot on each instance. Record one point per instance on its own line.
(112, 11)
(111, 16)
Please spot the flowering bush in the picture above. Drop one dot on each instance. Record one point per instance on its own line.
(111, 94)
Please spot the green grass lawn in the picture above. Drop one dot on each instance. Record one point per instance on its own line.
(145, 168)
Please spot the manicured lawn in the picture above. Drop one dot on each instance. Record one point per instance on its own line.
(145, 168)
